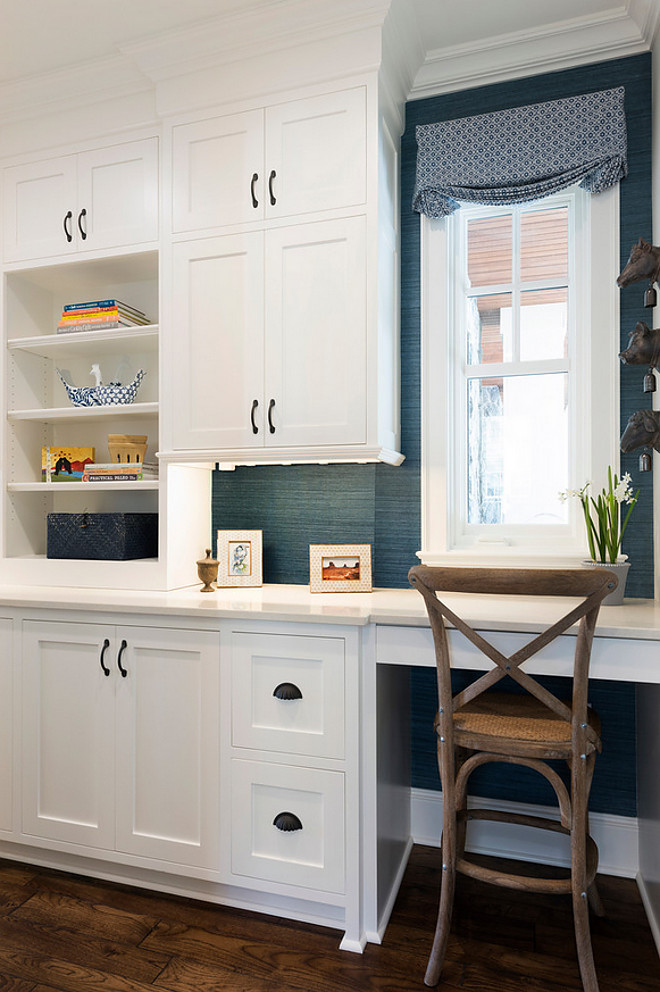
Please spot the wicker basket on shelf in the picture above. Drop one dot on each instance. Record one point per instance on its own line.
(127, 447)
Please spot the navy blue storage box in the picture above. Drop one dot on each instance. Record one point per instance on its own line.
(106, 536)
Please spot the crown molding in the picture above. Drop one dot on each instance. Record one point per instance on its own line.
(621, 31)
(261, 29)
(76, 86)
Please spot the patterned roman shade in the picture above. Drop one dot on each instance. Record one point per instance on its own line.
(521, 154)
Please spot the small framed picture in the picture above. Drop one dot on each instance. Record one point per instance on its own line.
(239, 558)
(340, 568)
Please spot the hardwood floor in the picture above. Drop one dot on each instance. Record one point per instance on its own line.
(61, 932)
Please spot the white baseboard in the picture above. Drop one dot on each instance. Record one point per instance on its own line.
(616, 836)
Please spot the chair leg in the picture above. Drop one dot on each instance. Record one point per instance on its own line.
(583, 940)
(595, 901)
(443, 925)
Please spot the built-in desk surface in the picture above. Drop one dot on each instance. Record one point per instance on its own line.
(626, 647)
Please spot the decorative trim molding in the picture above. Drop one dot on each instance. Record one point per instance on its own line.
(619, 32)
(616, 836)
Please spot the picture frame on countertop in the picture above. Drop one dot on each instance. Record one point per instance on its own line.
(340, 568)
(240, 556)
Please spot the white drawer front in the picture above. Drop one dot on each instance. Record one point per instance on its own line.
(310, 855)
(288, 693)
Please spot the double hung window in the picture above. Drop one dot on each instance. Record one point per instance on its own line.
(519, 390)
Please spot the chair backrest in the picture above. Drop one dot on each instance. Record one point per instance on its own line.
(588, 585)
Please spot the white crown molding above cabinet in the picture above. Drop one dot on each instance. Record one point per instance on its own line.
(615, 33)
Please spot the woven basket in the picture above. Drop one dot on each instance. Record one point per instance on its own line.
(102, 536)
(127, 447)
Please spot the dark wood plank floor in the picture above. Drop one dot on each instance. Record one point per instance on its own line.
(60, 932)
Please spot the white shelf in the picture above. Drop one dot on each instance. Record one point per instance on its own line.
(90, 344)
(86, 412)
(76, 487)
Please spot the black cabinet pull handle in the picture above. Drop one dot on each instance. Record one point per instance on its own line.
(272, 176)
(255, 202)
(106, 645)
(69, 235)
(287, 821)
(122, 648)
(271, 425)
(287, 690)
(255, 404)
(83, 232)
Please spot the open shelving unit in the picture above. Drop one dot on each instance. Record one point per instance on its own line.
(39, 412)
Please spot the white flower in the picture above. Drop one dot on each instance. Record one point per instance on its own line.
(623, 492)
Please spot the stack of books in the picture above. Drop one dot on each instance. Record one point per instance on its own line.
(99, 315)
(120, 472)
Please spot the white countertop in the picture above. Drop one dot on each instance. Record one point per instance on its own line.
(636, 618)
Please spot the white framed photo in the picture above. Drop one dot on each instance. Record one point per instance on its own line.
(340, 567)
(239, 558)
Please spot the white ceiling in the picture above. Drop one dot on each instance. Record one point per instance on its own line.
(40, 36)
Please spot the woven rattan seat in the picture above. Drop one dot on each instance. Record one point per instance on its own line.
(531, 728)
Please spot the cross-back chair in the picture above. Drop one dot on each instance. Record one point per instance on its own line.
(477, 726)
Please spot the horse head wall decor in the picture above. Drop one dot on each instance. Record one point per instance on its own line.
(643, 263)
(642, 429)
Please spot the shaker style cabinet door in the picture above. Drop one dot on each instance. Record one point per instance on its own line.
(68, 733)
(215, 377)
(316, 333)
(39, 204)
(118, 190)
(218, 172)
(6, 725)
(316, 154)
(168, 755)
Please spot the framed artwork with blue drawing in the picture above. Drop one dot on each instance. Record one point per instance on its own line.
(239, 557)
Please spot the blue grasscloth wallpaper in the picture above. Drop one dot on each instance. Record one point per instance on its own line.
(296, 506)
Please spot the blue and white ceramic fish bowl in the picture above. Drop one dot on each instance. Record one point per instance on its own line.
(112, 394)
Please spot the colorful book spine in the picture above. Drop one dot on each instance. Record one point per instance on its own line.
(102, 305)
(117, 477)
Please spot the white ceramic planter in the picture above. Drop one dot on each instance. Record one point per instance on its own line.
(620, 569)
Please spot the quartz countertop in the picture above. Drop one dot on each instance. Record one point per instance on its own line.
(636, 618)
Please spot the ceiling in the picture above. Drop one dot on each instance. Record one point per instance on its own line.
(75, 49)
(70, 32)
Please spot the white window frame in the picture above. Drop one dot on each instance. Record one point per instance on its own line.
(594, 379)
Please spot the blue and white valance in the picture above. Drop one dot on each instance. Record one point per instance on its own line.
(521, 154)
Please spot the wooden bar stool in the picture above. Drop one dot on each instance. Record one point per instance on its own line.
(478, 726)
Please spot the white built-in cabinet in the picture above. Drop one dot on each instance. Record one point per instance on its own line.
(275, 354)
(120, 740)
(293, 158)
(279, 348)
(95, 200)
(7, 724)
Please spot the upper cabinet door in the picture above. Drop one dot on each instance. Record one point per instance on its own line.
(316, 341)
(316, 154)
(40, 209)
(218, 172)
(215, 389)
(118, 195)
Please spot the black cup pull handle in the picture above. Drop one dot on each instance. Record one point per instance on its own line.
(122, 648)
(271, 425)
(67, 218)
(83, 232)
(287, 690)
(255, 404)
(253, 181)
(272, 176)
(287, 821)
(106, 645)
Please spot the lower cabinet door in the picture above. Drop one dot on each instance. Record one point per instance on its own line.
(288, 824)
(68, 733)
(6, 724)
(168, 754)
